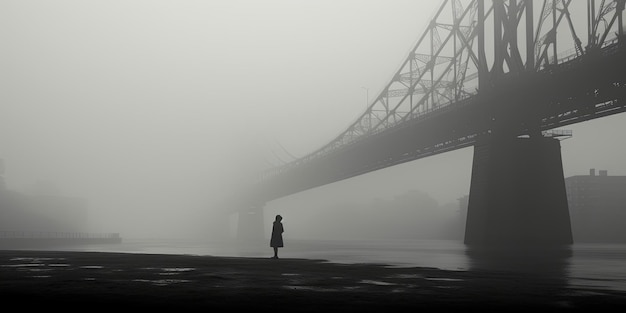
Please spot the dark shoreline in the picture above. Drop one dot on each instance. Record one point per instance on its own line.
(103, 280)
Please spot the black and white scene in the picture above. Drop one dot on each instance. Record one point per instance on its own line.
(313, 155)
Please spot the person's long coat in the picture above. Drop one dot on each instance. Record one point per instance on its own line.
(277, 235)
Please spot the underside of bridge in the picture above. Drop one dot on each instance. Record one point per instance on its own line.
(464, 86)
(517, 194)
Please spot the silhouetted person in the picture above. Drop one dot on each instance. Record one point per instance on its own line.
(277, 235)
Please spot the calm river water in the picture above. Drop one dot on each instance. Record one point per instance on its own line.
(601, 266)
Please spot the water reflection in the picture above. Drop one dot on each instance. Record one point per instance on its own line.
(535, 271)
(528, 260)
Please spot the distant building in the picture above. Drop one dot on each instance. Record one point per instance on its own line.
(38, 213)
(41, 211)
(462, 218)
(597, 205)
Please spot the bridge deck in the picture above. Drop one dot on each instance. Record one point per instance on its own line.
(581, 89)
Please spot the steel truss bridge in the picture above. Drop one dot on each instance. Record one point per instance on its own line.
(481, 69)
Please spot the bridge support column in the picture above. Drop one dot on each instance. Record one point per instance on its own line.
(517, 194)
(250, 225)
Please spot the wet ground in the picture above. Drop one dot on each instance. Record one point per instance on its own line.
(82, 280)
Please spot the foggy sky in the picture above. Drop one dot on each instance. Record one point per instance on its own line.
(151, 109)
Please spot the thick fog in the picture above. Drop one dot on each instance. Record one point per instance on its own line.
(152, 110)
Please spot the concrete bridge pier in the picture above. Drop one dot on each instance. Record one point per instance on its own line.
(250, 224)
(517, 194)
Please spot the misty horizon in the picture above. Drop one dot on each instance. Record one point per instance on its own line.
(152, 110)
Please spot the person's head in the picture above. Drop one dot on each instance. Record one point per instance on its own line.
(279, 218)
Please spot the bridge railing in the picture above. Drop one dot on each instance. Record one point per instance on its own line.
(415, 117)
(427, 75)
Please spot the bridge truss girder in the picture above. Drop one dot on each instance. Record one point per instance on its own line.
(472, 54)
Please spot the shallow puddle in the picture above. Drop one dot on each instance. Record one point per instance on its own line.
(23, 265)
(376, 282)
(443, 279)
(308, 288)
(178, 269)
(162, 282)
